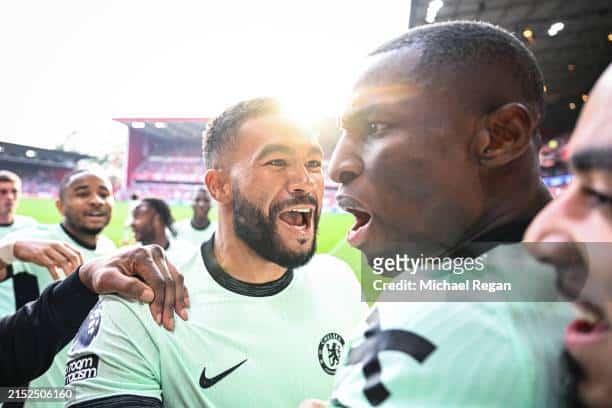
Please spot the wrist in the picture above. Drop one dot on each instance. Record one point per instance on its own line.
(84, 274)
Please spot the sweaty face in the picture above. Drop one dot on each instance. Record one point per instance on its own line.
(87, 203)
(143, 224)
(277, 185)
(9, 197)
(201, 205)
(574, 233)
(403, 162)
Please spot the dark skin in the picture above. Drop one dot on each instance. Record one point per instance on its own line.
(201, 207)
(428, 169)
(148, 227)
(86, 204)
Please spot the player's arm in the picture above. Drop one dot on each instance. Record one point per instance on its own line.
(34, 334)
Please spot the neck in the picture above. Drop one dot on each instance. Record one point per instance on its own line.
(7, 218)
(506, 212)
(200, 223)
(233, 254)
(88, 239)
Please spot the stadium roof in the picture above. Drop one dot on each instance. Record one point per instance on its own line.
(174, 128)
(572, 55)
(17, 153)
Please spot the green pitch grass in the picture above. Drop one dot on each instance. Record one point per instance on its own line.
(331, 237)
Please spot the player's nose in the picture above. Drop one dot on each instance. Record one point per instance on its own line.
(346, 163)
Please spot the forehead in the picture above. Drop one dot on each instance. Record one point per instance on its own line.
(277, 129)
(88, 180)
(594, 128)
(387, 78)
(141, 209)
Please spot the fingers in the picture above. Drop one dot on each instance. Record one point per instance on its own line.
(147, 269)
(126, 286)
(170, 290)
(48, 263)
(55, 256)
(181, 294)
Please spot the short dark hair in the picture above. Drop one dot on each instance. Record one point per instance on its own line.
(163, 210)
(9, 176)
(221, 134)
(463, 45)
(67, 177)
(66, 180)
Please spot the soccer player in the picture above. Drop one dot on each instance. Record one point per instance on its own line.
(85, 202)
(150, 220)
(574, 233)
(439, 150)
(199, 228)
(268, 318)
(10, 191)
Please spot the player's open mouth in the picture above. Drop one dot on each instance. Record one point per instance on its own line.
(589, 328)
(362, 220)
(300, 218)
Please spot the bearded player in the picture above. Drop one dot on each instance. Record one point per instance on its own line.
(268, 319)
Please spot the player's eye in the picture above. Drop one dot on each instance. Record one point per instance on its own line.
(277, 163)
(376, 128)
(597, 199)
(314, 164)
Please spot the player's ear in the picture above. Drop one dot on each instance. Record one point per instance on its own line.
(218, 184)
(504, 135)
(59, 205)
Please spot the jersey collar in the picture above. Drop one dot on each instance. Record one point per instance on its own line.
(237, 286)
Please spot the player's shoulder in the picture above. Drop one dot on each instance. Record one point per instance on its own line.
(34, 231)
(23, 221)
(327, 268)
(444, 318)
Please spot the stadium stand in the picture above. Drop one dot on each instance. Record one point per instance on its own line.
(40, 169)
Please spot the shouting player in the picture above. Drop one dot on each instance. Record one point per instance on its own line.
(268, 318)
(439, 150)
(574, 233)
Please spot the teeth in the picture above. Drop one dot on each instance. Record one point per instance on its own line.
(301, 210)
(588, 315)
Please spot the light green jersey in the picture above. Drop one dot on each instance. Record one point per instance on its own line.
(54, 376)
(7, 296)
(459, 354)
(180, 251)
(265, 345)
(186, 232)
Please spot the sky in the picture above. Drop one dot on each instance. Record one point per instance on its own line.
(67, 67)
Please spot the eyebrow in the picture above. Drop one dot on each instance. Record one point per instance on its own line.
(593, 159)
(278, 148)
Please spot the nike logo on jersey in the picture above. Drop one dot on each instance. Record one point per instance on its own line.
(209, 382)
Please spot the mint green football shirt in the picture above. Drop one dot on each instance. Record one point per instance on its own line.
(461, 354)
(54, 376)
(186, 232)
(7, 294)
(265, 345)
